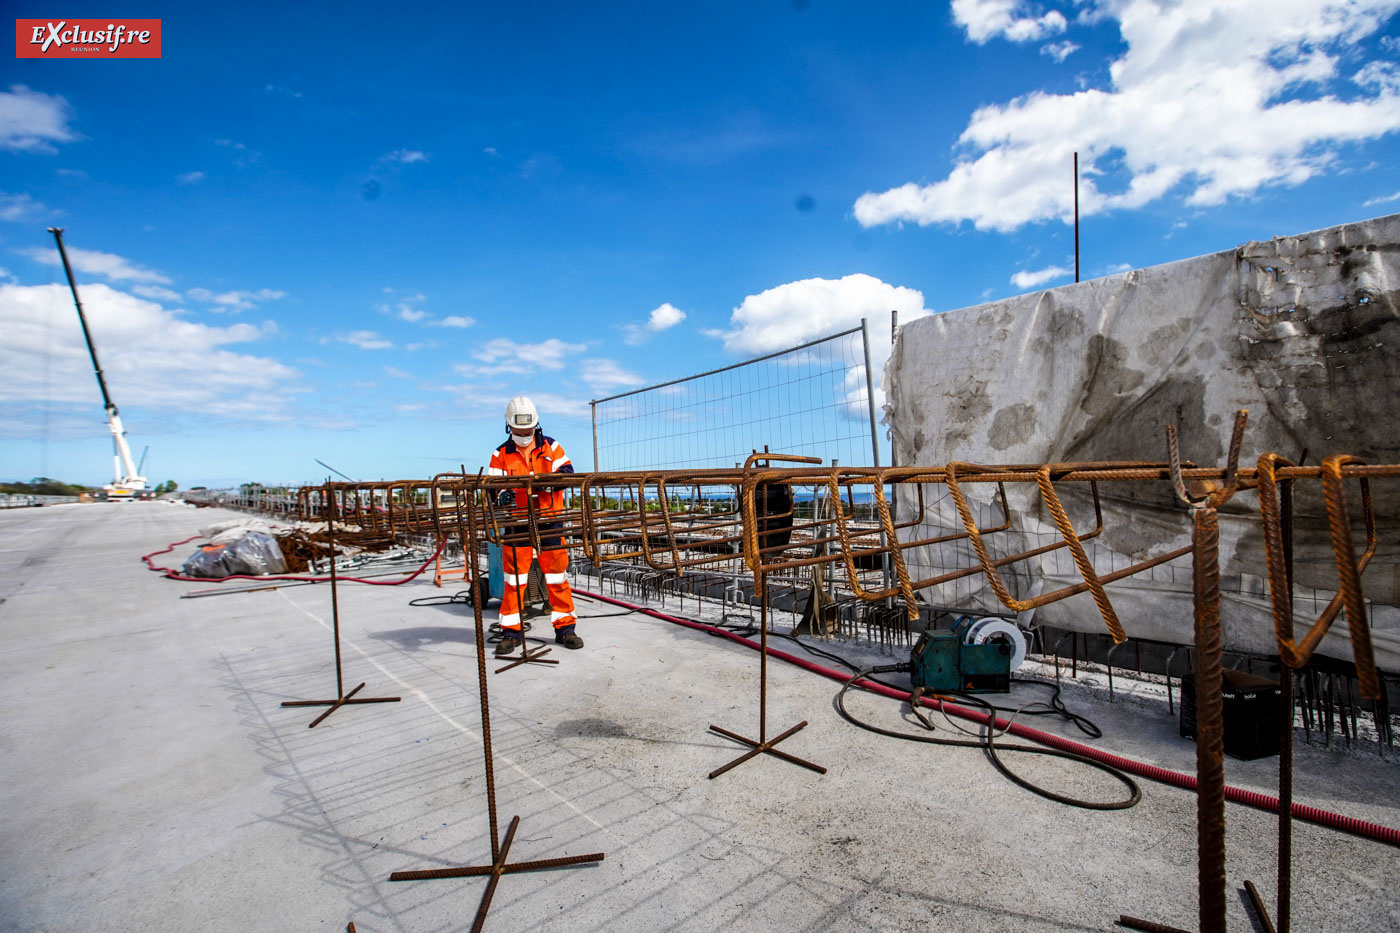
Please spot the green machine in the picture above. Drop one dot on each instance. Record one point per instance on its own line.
(976, 656)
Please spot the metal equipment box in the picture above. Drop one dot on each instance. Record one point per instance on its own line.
(936, 665)
(1253, 710)
(941, 661)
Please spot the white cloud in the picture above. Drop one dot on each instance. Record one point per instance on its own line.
(810, 308)
(1218, 100)
(31, 121)
(503, 355)
(20, 207)
(457, 320)
(403, 157)
(661, 318)
(396, 373)
(189, 178)
(1059, 51)
(404, 309)
(1012, 19)
(150, 357)
(1025, 279)
(664, 316)
(1387, 199)
(602, 375)
(107, 265)
(158, 292)
(235, 301)
(365, 340)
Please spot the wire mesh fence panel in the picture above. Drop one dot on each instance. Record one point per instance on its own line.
(810, 399)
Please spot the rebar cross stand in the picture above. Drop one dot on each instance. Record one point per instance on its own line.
(500, 849)
(763, 745)
(341, 698)
(527, 656)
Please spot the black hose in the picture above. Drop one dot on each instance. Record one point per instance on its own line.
(986, 741)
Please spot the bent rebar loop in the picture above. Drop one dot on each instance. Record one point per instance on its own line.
(1349, 568)
(1212, 493)
(678, 563)
(986, 565)
(901, 570)
(848, 550)
(600, 521)
(463, 513)
(838, 477)
(642, 480)
(1276, 527)
(586, 519)
(749, 483)
(303, 504)
(1075, 543)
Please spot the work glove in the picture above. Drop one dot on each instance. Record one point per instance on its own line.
(505, 499)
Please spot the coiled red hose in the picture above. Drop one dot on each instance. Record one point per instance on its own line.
(169, 572)
(1248, 798)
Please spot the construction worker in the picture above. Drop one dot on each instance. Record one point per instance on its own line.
(528, 450)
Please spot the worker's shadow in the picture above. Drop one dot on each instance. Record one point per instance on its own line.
(461, 630)
(423, 636)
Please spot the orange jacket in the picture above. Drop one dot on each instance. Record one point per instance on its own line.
(547, 456)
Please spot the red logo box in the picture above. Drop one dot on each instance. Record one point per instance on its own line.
(87, 38)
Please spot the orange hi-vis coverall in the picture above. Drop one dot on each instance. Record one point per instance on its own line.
(546, 456)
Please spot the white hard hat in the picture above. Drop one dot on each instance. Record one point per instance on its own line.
(521, 414)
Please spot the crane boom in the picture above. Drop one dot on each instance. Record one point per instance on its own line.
(126, 479)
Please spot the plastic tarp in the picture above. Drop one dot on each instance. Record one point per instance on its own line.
(253, 553)
(1303, 331)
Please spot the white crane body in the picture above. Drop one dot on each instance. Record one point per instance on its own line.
(126, 482)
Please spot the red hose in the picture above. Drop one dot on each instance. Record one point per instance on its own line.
(247, 576)
(1248, 798)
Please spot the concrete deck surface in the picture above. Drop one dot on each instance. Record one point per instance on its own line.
(150, 780)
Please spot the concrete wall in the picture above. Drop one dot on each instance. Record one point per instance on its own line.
(1303, 331)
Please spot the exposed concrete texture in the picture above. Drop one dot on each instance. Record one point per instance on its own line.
(1303, 331)
(150, 780)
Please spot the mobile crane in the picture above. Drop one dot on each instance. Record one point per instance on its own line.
(126, 482)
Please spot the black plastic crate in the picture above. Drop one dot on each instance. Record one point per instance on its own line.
(1253, 713)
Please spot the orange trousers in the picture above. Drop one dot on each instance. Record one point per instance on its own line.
(554, 565)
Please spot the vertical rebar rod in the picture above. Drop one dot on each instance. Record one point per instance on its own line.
(1210, 744)
(762, 660)
(335, 605)
(469, 534)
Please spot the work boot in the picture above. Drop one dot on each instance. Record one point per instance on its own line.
(510, 640)
(567, 637)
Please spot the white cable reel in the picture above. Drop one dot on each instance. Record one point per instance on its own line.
(993, 628)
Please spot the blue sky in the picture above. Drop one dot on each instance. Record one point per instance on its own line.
(329, 232)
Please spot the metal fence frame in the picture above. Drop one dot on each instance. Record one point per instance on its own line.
(863, 330)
